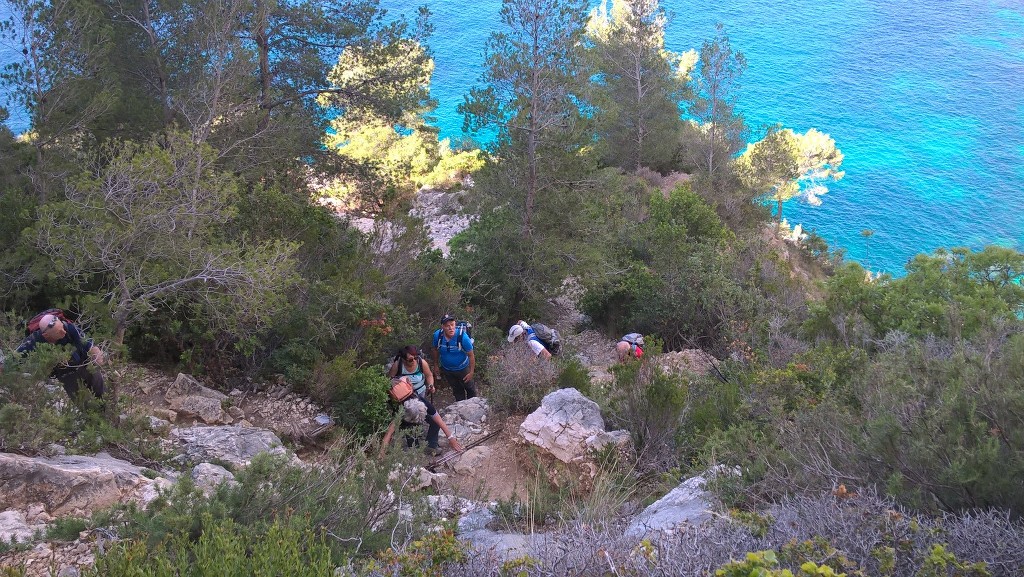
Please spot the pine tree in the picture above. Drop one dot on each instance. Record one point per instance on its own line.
(638, 85)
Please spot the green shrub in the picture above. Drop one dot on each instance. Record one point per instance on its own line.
(765, 564)
(942, 563)
(937, 423)
(573, 375)
(66, 528)
(358, 395)
(349, 494)
(651, 405)
(454, 166)
(430, 556)
(288, 546)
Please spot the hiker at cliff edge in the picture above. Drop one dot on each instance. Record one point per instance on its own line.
(454, 357)
(76, 371)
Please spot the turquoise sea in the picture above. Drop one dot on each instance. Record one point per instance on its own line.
(925, 99)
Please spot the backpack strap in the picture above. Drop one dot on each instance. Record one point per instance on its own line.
(401, 368)
(460, 333)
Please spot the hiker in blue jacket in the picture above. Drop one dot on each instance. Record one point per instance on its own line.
(454, 358)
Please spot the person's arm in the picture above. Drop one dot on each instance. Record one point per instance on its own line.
(472, 366)
(539, 349)
(435, 353)
(393, 371)
(452, 441)
(428, 375)
(97, 354)
(387, 439)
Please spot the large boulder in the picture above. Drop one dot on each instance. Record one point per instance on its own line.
(568, 426)
(468, 419)
(188, 386)
(208, 477)
(687, 504)
(15, 528)
(205, 409)
(189, 399)
(235, 445)
(73, 485)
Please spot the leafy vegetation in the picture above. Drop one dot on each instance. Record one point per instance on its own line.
(169, 193)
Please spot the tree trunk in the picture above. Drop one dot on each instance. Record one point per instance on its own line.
(261, 36)
(778, 216)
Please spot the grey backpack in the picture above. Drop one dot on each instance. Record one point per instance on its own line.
(548, 337)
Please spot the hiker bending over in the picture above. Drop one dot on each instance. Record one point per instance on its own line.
(75, 371)
(454, 357)
(411, 364)
(417, 411)
(522, 330)
(629, 346)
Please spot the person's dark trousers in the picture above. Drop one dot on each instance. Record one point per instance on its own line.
(412, 440)
(72, 381)
(433, 429)
(461, 389)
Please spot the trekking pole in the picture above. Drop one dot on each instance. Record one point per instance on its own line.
(452, 455)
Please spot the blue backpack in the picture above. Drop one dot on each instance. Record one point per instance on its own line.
(461, 327)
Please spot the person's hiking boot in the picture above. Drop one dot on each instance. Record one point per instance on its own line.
(433, 451)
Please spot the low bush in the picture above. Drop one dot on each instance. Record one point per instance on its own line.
(358, 395)
(286, 546)
(518, 380)
(935, 423)
(861, 536)
(349, 498)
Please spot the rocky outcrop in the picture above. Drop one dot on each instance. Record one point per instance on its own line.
(235, 445)
(568, 426)
(205, 409)
(14, 527)
(73, 485)
(208, 477)
(468, 419)
(287, 414)
(188, 386)
(442, 214)
(687, 504)
(691, 360)
(189, 399)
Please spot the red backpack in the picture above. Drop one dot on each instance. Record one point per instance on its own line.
(33, 323)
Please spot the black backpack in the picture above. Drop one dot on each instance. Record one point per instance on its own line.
(461, 327)
(548, 337)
